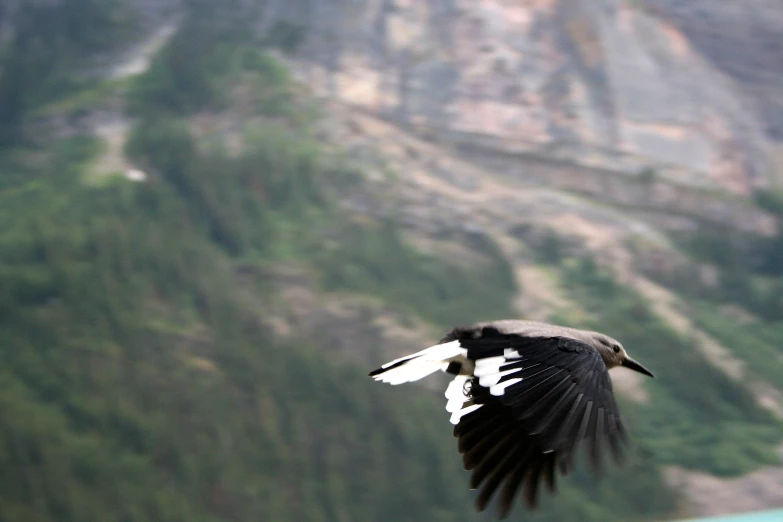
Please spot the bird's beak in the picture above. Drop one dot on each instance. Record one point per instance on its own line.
(633, 365)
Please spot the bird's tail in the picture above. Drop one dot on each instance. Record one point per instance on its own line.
(419, 365)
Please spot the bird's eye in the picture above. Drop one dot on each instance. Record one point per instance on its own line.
(616, 349)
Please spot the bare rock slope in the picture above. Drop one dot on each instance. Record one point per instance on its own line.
(602, 82)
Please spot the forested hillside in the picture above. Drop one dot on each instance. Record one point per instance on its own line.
(143, 379)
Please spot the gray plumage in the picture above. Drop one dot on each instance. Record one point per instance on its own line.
(525, 396)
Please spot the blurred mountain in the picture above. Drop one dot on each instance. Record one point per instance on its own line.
(741, 39)
(217, 216)
(617, 84)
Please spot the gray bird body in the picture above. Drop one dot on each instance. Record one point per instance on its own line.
(537, 329)
(529, 329)
(525, 395)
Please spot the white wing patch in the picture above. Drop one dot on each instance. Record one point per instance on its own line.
(499, 389)
(489, 371)
(420, 364)
(458, 403)
(455, 393)
(493, 378)
(489, 366)
(510, 353)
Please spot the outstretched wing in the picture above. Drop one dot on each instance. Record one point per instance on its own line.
(542, 397)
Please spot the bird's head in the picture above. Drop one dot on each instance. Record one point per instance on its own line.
(614, 354)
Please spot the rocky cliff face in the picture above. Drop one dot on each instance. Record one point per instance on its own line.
(743, 39)
(607, 82)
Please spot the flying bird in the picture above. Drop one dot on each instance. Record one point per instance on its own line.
(525, 396)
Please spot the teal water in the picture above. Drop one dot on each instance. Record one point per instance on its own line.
(758, 516)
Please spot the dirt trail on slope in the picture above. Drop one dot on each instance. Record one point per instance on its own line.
(139, 58)
(114, 128)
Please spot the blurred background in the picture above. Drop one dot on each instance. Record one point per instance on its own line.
(217, 216)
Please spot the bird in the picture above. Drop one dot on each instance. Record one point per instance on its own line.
(526, 395)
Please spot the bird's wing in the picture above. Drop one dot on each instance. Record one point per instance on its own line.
(542, 397)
